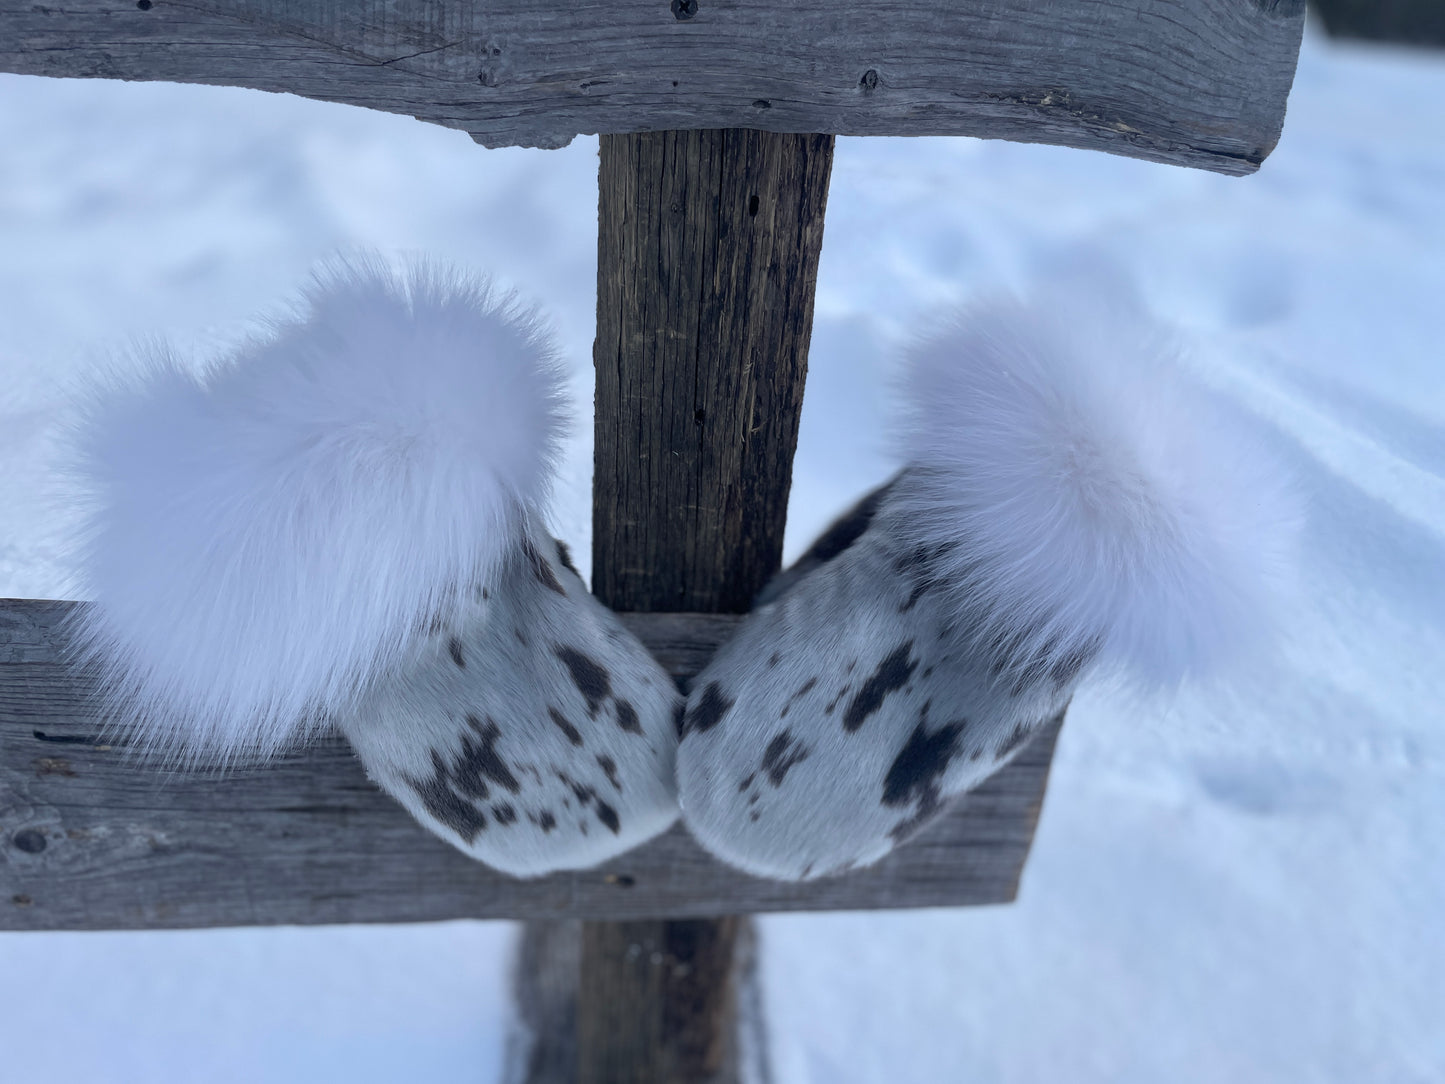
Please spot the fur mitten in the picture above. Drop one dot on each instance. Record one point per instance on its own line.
(1067, 507)
(341, 526)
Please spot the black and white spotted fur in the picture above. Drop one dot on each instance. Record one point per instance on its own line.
(848, 711)
(531, 730)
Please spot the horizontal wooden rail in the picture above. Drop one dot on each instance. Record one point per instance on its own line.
(91, 838)
(1192, 82)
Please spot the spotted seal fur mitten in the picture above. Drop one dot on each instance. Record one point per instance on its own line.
(341, 526)
(1070, 504)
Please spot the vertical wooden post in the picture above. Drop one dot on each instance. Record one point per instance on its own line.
(707, 263)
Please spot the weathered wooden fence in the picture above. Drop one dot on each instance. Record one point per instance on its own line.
(91, 838)
(717, 118)
(1193, 82)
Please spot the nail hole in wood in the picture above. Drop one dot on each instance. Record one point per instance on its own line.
(30, 841)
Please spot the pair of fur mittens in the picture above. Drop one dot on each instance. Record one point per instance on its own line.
(342, 526)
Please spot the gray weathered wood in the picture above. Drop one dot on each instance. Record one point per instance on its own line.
(659, 1000)
(707, 259)
(543, 1048)
(1193, 82)
(707, 254)
(93, 839)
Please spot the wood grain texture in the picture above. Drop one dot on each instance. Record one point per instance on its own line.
(660, 1001)
(93, 839)
(707, 252)
(1192, 82)
(543, 1045)
(707, 259)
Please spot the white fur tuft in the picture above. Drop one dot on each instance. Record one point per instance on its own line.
(1088, 500)
(269, 537)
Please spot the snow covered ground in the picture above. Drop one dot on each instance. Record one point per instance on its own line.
(1241, 886)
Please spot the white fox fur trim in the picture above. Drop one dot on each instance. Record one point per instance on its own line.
(1082, 497)
(267, 538)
